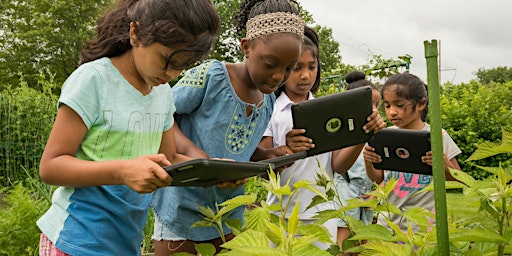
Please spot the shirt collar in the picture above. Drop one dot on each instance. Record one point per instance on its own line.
(283, 101)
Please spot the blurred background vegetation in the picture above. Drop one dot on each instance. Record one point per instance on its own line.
(39, 45)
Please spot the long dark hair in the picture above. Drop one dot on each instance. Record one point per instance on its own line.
(192, 24)
(411, 88)
(310, 43)
(252, 8)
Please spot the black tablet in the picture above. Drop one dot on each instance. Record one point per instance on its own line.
(402, 149)
(284, 160)
(203, 172)
(335, 121)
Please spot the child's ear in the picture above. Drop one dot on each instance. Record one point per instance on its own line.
(246, 47)
(422, 104)
(134, 41)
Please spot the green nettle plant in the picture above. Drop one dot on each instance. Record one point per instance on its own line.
(269, 232)
(489, 232)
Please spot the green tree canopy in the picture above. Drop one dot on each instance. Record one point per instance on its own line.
(498, 75)
(43, 37)
(228, 44)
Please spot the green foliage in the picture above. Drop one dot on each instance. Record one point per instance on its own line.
(380, 68)
(19, 234)
(287, 233)
(473, 113)
(147, 242)
(227, 47)
(488, 231)
(255, 186)
(498, 75)
(43, 37)
(27, 116)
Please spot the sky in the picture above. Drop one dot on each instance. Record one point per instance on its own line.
(471, 34)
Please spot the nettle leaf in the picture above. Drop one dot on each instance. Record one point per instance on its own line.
(487, 149)
(326, 215)
(274, 207)
(419, 215)
(285, 190)
(389, 187)
(235, 225)
(202, 223)
(249, 238)
(354, 224)
(304, 246)
(318, 231)
(258, 219)
(316, 201)
(205, 249)
(479, 234)
(236, 202)
(293, 219)
(487, 205)
(206, 211)
(387, 207)
(464, 178)
(275, 233)
(383, 248)
(372, 232)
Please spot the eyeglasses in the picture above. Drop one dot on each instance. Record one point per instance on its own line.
(191, 56)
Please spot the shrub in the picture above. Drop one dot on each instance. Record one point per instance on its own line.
(27, 116)
(473, 113)
(19, 234)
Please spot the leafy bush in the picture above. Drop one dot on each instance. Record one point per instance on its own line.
(19, 234)
(27, 116)
(473, 113)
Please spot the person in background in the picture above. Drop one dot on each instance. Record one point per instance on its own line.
(303, 82)
(406, 104)
(234, 101)
(114, 126)
(355, 182)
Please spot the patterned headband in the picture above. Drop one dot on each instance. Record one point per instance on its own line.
(271, 23)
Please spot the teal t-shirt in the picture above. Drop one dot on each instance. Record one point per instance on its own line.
(122, 124)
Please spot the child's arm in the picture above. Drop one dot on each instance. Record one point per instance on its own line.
(448, 164)
(375, 122)
(265, 150)
(344, 158)
(297, 142)
(168, 146)
(371, 157)
(185, 146)
(59, 166)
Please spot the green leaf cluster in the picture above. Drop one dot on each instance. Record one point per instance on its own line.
(21, 207)
(27, 116)
(43, 37)
(473, 113)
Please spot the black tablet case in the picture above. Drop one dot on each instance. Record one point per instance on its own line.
(203, 172)
(401, 150)
(335, 121)
(284, 160)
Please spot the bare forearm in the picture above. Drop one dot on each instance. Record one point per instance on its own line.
(343, 159)
(375, 175)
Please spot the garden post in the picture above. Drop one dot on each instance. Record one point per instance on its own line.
(434, 109)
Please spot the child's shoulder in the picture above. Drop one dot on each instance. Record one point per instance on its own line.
(207, 67)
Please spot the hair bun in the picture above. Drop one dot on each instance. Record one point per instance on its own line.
(354, 76)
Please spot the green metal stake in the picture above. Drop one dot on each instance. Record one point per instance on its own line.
(434, 109)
